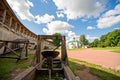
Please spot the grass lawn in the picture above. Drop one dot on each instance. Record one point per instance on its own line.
(101, 72)
(7, 65)
(113, 49)
(73, 66)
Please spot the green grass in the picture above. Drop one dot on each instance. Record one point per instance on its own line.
(73, 66)
(113, 49)
(97, 70)
(8, 65)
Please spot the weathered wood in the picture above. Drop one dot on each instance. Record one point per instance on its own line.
(12, 50)
(50, 37)
(28, 74)
(8, 19)
(10, 23)
(69, 74)
(19, 56)
(5, 44)
(26, 49)
(64, 52)
(4, 16)
(38, 50)
(9, 57)
(22, 41)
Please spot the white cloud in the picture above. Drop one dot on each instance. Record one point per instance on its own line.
(74, 9)
(91, 38)
(45, 1)
(22, 8)
(57, 26)
(72, 35)
(117, 28)
(44, 19)
(110, 18)
(84, 20)
(90, 28)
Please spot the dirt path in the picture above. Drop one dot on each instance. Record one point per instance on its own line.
(104, 58)
(85, 75)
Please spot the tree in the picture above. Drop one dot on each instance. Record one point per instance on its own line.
(56, 42)
(118, 44)
(83, 40)
(95, 43)
(111, 39)
(102, 40)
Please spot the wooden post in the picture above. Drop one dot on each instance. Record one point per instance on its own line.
(4, 16)
(26, 49)
(5, 48)
(20, 29)
(64, 52)
(15, 26)
(10, 23)
(38, 49)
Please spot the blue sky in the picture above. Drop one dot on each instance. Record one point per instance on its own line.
(72, 18)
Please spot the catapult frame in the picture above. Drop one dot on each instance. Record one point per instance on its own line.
(48, 62)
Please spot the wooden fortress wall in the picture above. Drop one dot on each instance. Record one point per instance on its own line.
(10, 27)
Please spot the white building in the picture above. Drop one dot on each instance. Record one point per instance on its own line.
(73, 44)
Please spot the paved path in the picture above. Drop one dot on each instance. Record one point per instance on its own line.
(105, 58)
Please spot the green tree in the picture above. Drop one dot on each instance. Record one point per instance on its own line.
(83, 40)
(102, 41)
(56, 42)
(96, 42)
(111, 39)
(118, 44)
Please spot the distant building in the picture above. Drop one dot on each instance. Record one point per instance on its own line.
(73, 44)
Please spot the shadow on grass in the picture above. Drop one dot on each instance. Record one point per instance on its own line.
(99, 71)
(74, 66)
(8, 65)
(103, 74)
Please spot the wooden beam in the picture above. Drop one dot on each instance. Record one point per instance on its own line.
(38, 55)
(16, 26)
(5, 48)
(64, 52)
(26, 49)
(20, 28)
(22, 41)
(69, 74)
(10, 23)
(50, 37)
(4, 16)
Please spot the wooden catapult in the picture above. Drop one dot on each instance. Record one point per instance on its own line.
(49, 60)
(20, 45)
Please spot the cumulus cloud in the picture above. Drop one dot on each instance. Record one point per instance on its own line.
(22, 8)
(57, 27)
(43, 19)
(91, 38)
(80, 8)
(90, 28)
(72, 35)
(110, 18)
